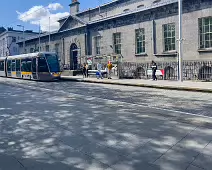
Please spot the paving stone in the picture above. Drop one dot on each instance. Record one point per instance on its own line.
(8, 162)
(203, 161)
(182, 153)
(170, 163)
(73, 140)
(147, 153)
(208, 150)
(197, 140)
(192, 167)
(129, 143)
(135, 165)
(101, 153)
(73, 158)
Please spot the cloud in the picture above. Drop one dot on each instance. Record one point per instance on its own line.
(55, 6)
(41, 14)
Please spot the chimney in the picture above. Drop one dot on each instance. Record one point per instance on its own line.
(74, 7)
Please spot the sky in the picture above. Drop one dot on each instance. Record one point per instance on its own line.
(30, 13)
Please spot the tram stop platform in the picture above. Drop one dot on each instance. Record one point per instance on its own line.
(196, 86)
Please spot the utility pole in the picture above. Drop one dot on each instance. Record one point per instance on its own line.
(23, 37)
(49, 35)
(39, 38)
(180, 55)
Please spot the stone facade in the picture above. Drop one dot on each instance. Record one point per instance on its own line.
(8, 39)
(124, 17)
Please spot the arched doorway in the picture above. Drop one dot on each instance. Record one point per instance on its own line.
(73, 56)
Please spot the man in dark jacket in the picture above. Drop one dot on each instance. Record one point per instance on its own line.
(154, 69)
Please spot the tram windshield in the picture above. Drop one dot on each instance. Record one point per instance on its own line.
(53, 63)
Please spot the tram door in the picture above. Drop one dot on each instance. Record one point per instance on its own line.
(34, 68)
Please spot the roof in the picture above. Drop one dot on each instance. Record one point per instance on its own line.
(74, 17)
(152, 6)
(17, 31)
(27, 55)
(90, 9)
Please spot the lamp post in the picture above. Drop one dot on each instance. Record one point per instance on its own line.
(180, 56)
(23, 37)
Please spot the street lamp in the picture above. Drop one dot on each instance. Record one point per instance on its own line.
(23, 37)
(180, 56)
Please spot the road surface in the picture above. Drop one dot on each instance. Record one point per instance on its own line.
(77, 126)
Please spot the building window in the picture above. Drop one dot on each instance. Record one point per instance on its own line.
(117, 43)
(169, 37)
(205, 32)
(57, 48)
(31, 50)
(15, 50)
(97, 41)
(14, 39)
(126, 10)
(47, 48)
(140, 40)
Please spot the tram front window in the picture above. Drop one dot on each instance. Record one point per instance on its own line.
(53, 63)
(42, 65)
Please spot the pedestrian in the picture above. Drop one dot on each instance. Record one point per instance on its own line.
(99, 68)
(109, 69)
(86, 69)
(154, 69)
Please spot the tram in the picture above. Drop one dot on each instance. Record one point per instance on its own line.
(42, 66)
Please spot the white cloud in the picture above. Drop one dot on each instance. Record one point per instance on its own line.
(41, 14)
(55, 6)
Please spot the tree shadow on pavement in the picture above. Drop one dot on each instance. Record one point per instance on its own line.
(43, 130)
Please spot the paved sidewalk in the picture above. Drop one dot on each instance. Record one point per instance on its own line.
(161, 84)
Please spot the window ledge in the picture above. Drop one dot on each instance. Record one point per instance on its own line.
(168, 53)
(202, 50)
(141, 54)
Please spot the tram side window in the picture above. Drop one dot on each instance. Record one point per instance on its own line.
(23, 65)
(42, 65)
(1, 65)
(13, 65)
(29, 65)
(34, 65)
(18, 65)
(9, 65)
(26, 65)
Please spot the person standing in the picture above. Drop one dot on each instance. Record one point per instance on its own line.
(86, 70)
(109, 68)
(154, 69)
(99, 68)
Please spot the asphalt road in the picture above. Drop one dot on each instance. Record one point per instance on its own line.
(77, 126)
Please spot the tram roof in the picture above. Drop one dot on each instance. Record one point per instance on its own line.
(2, 58)
(28, 55)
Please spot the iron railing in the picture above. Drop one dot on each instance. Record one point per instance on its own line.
(192, 70)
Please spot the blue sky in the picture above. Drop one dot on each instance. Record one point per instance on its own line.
(9, 9)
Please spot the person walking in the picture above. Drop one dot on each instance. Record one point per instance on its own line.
(86, 70)
(154, 69)
(99, 68)
(109, 69)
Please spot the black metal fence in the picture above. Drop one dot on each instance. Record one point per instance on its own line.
(192, 70)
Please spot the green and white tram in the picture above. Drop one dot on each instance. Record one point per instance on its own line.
(43, 66)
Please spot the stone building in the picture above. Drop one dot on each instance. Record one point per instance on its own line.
(8, 39)
(137, 30)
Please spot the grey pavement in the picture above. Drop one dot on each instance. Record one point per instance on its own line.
(79, 126)
(196, 86)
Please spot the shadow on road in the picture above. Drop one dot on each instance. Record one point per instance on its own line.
(42, 130)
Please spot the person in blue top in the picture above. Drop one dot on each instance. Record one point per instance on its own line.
(99, 68)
